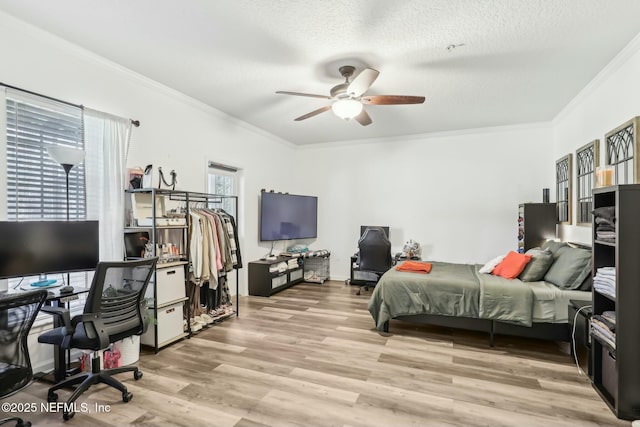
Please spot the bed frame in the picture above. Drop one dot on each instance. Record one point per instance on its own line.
(545, 331)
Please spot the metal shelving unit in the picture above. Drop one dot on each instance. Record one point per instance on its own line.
(190, 199)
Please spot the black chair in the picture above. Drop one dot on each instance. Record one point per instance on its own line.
(374, 257)
(17, 313)
(115, 309)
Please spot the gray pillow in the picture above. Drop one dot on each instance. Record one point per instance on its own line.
(554, 246)
(570, 269)
(535, 269)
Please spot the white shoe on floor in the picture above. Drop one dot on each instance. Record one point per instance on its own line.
(195, 326)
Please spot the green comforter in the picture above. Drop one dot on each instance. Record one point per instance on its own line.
(451, 290)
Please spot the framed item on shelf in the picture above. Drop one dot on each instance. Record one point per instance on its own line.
(587, 160)
(563, 188)
(621, 152)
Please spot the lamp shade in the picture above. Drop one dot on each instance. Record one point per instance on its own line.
(346, 108)
(66, 155)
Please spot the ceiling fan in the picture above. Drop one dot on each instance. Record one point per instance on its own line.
(349, 99)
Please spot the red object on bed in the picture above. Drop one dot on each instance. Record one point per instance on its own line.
(512, 265)
(415, 267)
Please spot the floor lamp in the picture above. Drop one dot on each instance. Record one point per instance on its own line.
(67, 158)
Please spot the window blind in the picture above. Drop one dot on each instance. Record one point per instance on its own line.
(37, 183)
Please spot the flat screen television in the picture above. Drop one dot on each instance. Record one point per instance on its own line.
(385, 228)
(31, 248)
(288, 217)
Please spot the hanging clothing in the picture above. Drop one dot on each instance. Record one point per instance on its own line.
(214, 251)
(195, 249)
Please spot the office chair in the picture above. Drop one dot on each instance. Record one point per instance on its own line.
(17, 313)
(115, 309)
(374, 256)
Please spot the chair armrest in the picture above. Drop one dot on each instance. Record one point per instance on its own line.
(96, 328)
(61, 314)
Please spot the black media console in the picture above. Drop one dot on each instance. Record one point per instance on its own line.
(264, 281)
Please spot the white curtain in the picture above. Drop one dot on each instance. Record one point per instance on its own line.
(106, 144)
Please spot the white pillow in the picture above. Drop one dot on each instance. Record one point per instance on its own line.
(488, 267)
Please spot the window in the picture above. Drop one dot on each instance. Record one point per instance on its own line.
(586, 163)
(621, 149)
(563, 189)
(36, 184)
(222, 180)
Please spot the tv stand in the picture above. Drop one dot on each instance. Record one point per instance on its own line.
(264, 283)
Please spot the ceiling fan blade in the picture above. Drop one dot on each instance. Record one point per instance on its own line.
(310, 95)
(313, 113)
(362, 82)
(391, 99)
(363, 118)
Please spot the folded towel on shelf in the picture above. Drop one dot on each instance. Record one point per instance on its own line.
(606, 290)
(610, 316)
(605, 280)
(605, 234)
(605, 227)
(415, 267)
(604, 339)
(606, 212)
(604, 222)
(604, 322)
(603, 331)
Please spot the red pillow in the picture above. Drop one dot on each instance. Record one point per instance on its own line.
(512, 265)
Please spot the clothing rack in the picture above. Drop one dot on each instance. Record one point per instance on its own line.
(187, 201)
(193, 197)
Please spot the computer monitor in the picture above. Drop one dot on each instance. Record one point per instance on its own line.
(384, 228)
(31, 248)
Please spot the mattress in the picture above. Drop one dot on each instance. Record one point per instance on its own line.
(550, 303)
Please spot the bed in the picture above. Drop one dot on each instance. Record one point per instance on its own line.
(458, 295)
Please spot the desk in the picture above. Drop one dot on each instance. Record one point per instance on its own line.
(361, 277)
(56, 299)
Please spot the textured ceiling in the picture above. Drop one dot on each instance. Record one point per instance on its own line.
(522, 60)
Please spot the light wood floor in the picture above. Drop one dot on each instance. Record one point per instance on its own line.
(309, 356)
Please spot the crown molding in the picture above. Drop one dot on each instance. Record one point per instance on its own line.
(74, 49)
(433, 135)
(607, 72)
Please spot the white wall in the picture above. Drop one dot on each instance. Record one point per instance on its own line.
(177, 132)
(457, 194)
(605, 103)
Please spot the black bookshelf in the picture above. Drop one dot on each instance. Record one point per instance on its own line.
(536, 224)
(616, 372)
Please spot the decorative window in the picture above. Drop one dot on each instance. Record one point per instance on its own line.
(586, 163)
(622, 152)
(563, 189)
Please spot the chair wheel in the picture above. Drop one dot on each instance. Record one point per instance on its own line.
(127, 396)
(358, 291)
(67, 415)
(137, 375)
(23, 423)
(52, 397)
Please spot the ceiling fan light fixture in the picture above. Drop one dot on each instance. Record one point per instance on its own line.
(346, 108)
